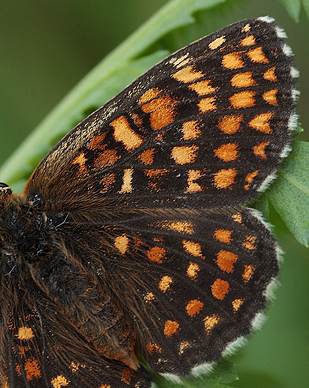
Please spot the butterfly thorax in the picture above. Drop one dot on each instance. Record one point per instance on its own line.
(23, 227)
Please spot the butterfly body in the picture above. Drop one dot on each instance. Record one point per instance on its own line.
(131, 236)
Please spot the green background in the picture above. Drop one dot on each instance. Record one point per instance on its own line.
(47, 47)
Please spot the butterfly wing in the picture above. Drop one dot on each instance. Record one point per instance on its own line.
(144, 189)
(192, 281)
(44, 350)
(214, 119)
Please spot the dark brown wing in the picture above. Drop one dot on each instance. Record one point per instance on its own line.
(191, 281)
(42, 349)
(210, 121)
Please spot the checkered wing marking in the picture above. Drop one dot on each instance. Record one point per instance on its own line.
(205, 127)
(191, 281)
(45, 351)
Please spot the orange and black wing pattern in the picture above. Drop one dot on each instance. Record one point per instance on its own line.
(131, 245)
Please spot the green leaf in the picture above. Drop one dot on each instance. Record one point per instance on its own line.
(293, 8)
(111, 75)
(290, 192)
(222, 374)
(306, 7)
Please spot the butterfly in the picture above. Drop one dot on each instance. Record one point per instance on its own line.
(131, 237)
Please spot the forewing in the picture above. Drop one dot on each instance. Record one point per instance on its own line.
(212, 120)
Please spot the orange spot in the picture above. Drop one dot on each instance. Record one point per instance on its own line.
(257, 55)
(170, 328)
(165, 283)
(243, 99)
(18, 371)
(243, 80)
(259, 149)
(193, 270)
(96, 143)
(248, 272)
(126, 375)
(179, 62)
(233, 61)
(227, 152)
(207, 104)
(237, 303)
(249, 178)
(217, 42)
(107, 181)
(155, 175)
(137, 120)
(248, 41)
(60, 381)
(187, 74)
(184, 154)
(261, 122)
(193, 187)
(190, 130)
(149, 95)
(210, 321)
(125, 134)
(23, 349)
(246, 28)
(156, 254)
(250, 243)
(153, 348)
(271, 97)
(230, 124)
(162, 111)
(74, 367)
(220, 288)
(202, 88)
(147, 156)
(105, 386)
(182, 346)
(149, 297)
(193, 248)
(106, 158)
(270, 75)
(25, 333)
(194, 307)
(180, 226)
(127, 181)
(226, 260)
(225, 178)
(81, 160)
(237, 218)
(32, 369)
(223, 235)
(121, 243)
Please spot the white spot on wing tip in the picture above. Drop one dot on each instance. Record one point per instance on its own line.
(257, 214)
(292, 124)
(266, 19)
(233, 346)
(285, 152)
(203, 369)
(258, 321)
(281, 33)
(287, 50)
(266, 183)
(294, 72)
(270, 289)
(295, 94)
(171, 377)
